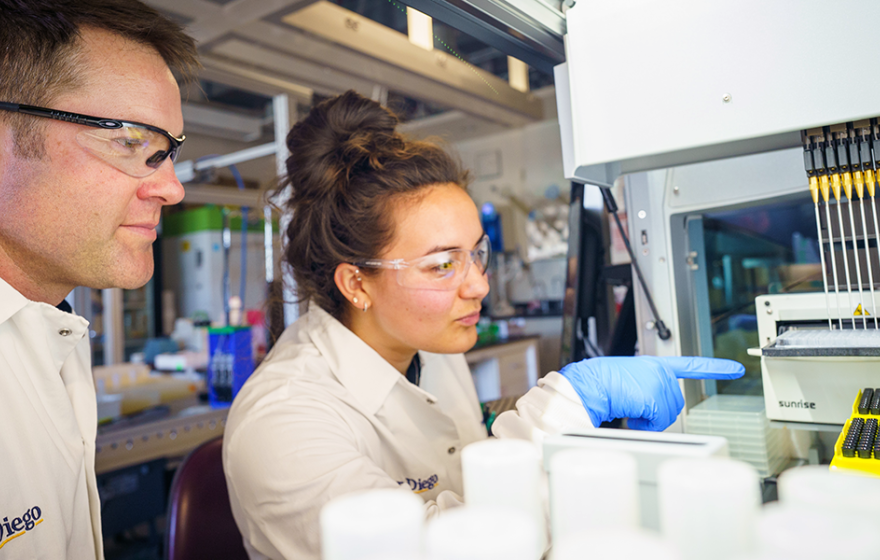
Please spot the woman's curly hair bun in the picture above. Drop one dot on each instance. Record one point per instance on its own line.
(347, 163)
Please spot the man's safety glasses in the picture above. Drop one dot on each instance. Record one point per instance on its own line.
(134, 148)
(438, 271)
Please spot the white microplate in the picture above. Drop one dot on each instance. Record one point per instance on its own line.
(817, 488)
(786, 532)
(823, 338)
(387, 523)
(708, 506)
(592, 489)
(614, 544)
(483, 533)
(741, 420)
(504, 473)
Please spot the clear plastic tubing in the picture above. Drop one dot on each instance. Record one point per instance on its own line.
(708, 507)
(504, 473)
(373, 524)
(482, 533)
(592, 490)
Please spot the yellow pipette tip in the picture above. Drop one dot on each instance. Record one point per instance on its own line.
(814, 189)
(835, 186)
(847, 185)
(859, 184)
(823, 187)
(869, 181)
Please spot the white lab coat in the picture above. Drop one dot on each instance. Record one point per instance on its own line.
(49, 506)
(325, 415)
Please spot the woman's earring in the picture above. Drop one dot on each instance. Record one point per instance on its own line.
(365, 307)
(355, 299)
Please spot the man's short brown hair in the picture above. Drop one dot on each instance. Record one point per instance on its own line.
(40, 48)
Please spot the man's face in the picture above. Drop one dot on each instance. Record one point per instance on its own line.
(70, 219)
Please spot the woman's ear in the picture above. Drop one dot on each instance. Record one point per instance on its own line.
(349, 280)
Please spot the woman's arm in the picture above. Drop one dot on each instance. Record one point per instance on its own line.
(584, 394)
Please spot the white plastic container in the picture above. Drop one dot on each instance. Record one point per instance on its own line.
(708, 507)
(592, 490)
(785, 532)
(614, 544)
(816, 488)
(109, 407)
(483, 533)
(376, 523)
(504, 473)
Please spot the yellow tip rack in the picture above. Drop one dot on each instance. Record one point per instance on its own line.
(858, 448)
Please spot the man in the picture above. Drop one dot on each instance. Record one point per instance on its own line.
(80, 199)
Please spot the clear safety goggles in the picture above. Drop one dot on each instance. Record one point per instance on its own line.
(136, 149)
(438, 271)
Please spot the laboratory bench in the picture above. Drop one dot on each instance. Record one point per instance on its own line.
(167, 431)
(135, 459)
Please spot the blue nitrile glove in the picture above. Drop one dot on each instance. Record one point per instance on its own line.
(643, 389)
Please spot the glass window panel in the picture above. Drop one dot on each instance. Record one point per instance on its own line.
(753, 251)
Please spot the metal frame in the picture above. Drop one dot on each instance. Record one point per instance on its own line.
(302, 46)
(362, 46)
(699, 285)
(530, 30)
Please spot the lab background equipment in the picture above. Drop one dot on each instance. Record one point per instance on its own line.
(230, 363)
(810, 374)
(193, 243)
(736, 190)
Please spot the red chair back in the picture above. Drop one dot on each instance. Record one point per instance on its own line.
(200, 523)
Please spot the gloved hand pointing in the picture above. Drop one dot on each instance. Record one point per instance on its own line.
(643, 389)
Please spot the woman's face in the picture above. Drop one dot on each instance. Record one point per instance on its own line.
(436, 321)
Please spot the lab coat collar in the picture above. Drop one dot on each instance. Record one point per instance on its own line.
(360, 369)
(55, 321)
(11, 302)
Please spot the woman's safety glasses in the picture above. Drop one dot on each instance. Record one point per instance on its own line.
(134, 148)
(438, 271)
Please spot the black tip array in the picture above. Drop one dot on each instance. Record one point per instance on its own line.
(875, 403)
(866, 439)
(865, 401)
(852, 437)
(861, 439)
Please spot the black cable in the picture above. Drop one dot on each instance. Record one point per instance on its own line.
(611, 206)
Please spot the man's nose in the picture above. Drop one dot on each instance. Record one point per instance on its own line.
(163, 185)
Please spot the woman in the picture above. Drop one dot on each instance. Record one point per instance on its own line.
(370, 389)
